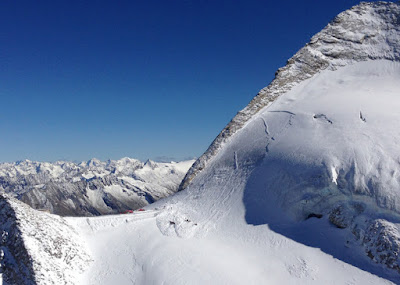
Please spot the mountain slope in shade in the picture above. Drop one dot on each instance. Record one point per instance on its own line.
(38, 248)
(93, 187)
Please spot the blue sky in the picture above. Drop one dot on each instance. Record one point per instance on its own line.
(144, 79)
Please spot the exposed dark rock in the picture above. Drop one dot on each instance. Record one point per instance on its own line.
(15, 261)
(343, 215)
(382, 243)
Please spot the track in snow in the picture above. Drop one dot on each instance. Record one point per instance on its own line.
(100, 223)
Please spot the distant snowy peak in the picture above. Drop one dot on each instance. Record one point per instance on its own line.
(91, 187)
(368, 31)
(59, 169)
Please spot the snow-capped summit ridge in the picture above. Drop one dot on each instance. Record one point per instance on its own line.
(368, 31)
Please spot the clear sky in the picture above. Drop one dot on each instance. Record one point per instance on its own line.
(144, 79)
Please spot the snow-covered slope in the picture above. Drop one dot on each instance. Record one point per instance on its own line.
(368, 31)
(93, 187)
(302, 187)
(38, 248)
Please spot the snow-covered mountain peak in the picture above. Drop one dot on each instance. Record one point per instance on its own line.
(368, 31)
(320, 142)
(94, 162)
(93, 187)
(150, 164)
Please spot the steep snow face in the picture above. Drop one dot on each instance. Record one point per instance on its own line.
(93, 187)
(327, 148)
(38, 248)
(330, 137)
(368, 31)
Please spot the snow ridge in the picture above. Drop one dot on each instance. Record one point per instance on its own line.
(368, 31)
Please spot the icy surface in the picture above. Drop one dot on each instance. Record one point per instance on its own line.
(93, 187)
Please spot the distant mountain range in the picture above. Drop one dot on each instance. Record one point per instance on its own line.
(91, 188)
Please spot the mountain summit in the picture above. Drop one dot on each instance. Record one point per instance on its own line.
(369, 31)
(319, 144)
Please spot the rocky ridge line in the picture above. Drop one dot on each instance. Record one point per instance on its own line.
(38, 248)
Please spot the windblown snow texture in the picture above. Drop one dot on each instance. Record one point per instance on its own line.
(38, 248)
(15, 262)
(93, 187)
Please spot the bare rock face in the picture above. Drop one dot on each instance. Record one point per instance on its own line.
(38, 248)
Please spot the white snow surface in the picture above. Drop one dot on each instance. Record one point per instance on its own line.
(243, 219)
